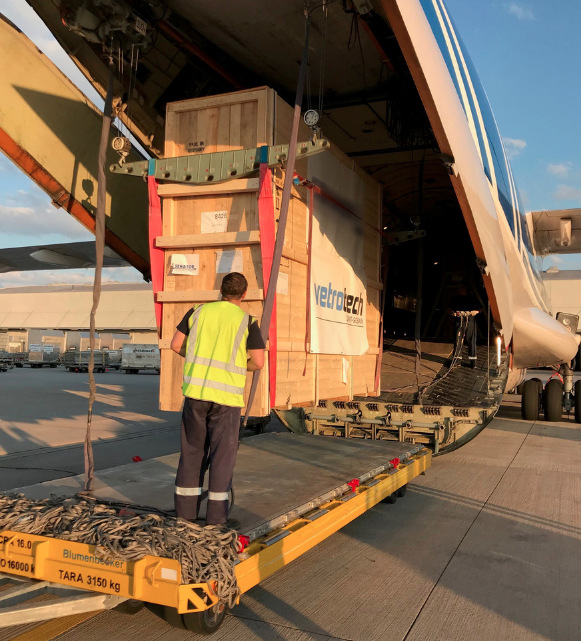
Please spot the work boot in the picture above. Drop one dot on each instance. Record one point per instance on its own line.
(231, 524)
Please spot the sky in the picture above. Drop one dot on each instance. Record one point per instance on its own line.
(527, 56)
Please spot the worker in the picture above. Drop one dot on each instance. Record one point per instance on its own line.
(464, 307)
(220, 343)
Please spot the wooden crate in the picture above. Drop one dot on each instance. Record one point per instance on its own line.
(237, 121)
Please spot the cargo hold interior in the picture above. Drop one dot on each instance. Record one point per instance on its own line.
(369, 107)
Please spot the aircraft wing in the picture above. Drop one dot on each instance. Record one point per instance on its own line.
(557, 231)
(61, 256)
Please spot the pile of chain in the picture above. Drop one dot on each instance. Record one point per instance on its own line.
(206, 554)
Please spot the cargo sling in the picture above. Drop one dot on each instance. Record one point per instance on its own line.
(286, 193)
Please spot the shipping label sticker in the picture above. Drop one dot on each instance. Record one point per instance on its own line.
(214, 222)
(229, 261)
(282, 284)
(185, 264)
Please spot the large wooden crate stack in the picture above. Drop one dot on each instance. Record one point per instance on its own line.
(238, 121)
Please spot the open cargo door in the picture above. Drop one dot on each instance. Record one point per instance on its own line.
(51, 130)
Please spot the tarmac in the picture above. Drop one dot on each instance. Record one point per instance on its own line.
(484, 546)
(43, 420)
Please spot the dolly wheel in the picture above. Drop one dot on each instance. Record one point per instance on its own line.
(392, 498)
(553, 400)
(577, 401)
(173, 617)
(402, 490)
(206, 622)
(131, 606)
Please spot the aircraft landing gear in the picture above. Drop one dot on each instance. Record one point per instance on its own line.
(557, 396)
(531, 399)
(553, 400)
(569, 400)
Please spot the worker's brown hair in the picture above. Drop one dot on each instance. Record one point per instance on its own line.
(234, 285)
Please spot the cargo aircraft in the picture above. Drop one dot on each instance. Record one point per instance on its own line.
(391, 84)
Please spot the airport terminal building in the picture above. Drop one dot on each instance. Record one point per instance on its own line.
(59, 315)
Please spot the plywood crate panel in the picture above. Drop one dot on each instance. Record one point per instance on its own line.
(237, 121)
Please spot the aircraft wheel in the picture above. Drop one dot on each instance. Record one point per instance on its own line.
(206, 622)
(578, 402)
(531, 400)
(553, 401)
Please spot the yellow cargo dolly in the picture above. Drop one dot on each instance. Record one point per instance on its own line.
(88, 583)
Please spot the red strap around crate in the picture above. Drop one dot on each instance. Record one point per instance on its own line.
(156, 257)
(267, 240)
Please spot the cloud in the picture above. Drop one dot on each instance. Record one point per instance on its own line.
(513, 146)
(520, 11)
(559, 169)
(566, 192)
(27, 214)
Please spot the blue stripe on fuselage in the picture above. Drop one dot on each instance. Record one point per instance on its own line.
(501, 163)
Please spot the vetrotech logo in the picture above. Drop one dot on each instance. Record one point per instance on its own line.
(340, 300)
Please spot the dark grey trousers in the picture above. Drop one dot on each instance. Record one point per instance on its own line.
(209, 439)
(469, 337)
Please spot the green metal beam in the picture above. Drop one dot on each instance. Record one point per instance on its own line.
(217, 167)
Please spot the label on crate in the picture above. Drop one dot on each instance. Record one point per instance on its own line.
(282, 284)
(229, 261)
(338, 323)
(35, 348)
(185, 264)
(214, 222)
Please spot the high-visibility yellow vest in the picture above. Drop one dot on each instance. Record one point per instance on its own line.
(216, 356)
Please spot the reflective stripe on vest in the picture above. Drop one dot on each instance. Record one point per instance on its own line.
(215, 368)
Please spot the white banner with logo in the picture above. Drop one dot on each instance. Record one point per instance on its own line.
(338, 294)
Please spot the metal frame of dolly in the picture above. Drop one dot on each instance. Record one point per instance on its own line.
(88, 583)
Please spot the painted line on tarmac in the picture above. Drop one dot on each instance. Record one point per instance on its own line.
(50, 629)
